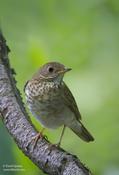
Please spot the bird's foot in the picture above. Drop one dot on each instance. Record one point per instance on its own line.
(38, 136)
(53, 146)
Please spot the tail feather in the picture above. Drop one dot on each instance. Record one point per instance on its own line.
(79, 129)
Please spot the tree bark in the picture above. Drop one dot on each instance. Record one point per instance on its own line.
(54, 161)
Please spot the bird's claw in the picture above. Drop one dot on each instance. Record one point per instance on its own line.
(53, 146)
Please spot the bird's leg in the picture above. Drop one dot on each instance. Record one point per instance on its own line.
(52, 146)
(61, 136)
(38, 136)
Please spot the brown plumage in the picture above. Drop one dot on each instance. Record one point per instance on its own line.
(51, 101)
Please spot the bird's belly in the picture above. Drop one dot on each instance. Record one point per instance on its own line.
(51, 114)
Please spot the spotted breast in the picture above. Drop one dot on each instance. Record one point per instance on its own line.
(42, 101)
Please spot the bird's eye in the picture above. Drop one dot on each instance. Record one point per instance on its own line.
(50, 69)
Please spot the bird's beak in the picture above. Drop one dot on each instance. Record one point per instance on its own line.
(65, 70)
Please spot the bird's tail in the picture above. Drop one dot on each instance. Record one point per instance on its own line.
(78, 128)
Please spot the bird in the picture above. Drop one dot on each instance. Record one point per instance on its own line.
(50, 100)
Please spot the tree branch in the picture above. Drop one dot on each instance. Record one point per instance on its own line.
(14, 116)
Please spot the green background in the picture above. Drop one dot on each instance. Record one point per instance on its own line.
(83, 35)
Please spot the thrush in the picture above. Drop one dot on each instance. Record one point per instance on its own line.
(52, 103)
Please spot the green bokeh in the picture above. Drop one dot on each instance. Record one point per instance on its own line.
(83, 35)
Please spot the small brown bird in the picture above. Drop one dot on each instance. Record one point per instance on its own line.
(52, 103)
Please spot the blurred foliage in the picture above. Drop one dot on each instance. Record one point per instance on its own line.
(83, 35)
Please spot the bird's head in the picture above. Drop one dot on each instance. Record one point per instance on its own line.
(52, 71)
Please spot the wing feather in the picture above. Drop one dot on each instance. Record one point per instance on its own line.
(70, 101)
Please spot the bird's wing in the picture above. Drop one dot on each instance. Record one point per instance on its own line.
(25, 85)
(70, 101)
